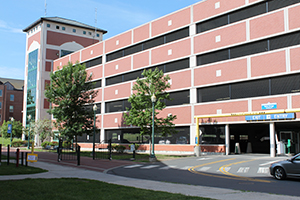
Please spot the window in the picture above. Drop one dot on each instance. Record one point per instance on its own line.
(74, 30)
(98, 35)
(215, 93)
(12, 97)
(262, 87)
(277, 4)
(128, 135)
(11, 108)
(168, 67)
(90, 108)
(84, 32)
(285, 84)
(179, 98)
(212, 57)
(96, 84)
(212, 24)
(114, 80)
(48, 25)
(244, 13)
(90, 33)
(250, 48)
(63, 28)
(117, 106)
(0, 105)
(285, 41)
(94, 62)
(0, 93)
(170, 37)
(250, 89)
(57, 27)
(213, 134)
(248, 12)
(65, 52)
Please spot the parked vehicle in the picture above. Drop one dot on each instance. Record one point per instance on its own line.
(286, 168)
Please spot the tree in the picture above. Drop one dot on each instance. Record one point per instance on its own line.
(43, 128)
(69, 92)
(140, 113)
(17, 129)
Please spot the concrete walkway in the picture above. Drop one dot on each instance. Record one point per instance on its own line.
(60, 171)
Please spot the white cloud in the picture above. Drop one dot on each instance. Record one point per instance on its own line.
(11, 72)
(7, 28)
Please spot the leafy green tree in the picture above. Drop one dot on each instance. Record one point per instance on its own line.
(140, 113)
(69, 91)
(43, 128)
(17, 129)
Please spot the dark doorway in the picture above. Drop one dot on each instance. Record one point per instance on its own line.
(257, 134)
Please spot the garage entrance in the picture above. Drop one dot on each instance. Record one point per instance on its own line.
(255, 134)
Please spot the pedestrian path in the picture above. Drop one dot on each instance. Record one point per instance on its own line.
(60, 171)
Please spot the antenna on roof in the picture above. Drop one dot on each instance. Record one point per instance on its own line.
(45, 8)
(95, 23)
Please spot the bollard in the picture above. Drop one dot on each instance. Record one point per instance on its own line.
(17, 157)
(78, 155)
(0, 153)
(26, 163)
(8, 154)
(109, 156)
(22, 158)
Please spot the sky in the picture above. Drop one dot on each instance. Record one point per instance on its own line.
(115, 16)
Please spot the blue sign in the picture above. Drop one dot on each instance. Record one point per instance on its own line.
(269, 106)
(9, 127)
(270, 117)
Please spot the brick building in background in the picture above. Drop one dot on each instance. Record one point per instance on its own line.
(233, 64)
(48, 39)
(11, 99)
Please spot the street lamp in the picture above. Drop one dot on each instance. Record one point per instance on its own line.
(12, 120)
(29, 119)
(152, 155)
(94, 109)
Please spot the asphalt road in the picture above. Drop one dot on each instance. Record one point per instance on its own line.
(240, 172)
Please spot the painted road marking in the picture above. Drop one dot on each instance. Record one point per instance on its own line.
(132, 166)
(268, 163)
(168, 167)
(204, 158)
(203, 169)
(186, 167)
(263, 170)
(243, 170)
(149, 166)
(233, 176)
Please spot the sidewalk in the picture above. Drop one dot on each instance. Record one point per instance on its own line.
(95, 170)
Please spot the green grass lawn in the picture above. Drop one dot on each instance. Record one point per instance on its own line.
(72, 188)
(11, 169)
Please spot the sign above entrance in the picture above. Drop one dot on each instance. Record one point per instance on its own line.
(268, 106)
(281, 116)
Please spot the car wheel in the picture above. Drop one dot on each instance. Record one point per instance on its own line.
(279, 173)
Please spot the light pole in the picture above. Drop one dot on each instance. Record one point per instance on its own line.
(29, 119)
(152, 155)
(94, 109)
(12, 121)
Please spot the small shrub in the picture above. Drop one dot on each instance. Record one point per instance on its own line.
(113, 146)
(120, 148)
(53, 144)
(66, 144)
(45, 143)
(18, 143)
